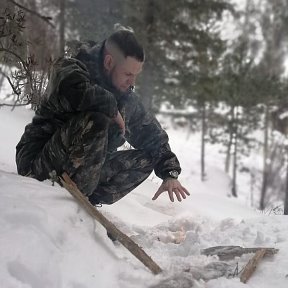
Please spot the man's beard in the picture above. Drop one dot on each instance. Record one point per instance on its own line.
(113, 89)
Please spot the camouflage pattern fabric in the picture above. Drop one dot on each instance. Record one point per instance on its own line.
(80, 149)
(73, 131)
(121, 173)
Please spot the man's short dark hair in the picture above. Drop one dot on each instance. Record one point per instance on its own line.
(127, 43)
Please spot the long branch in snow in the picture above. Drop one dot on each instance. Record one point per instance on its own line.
(137, 251)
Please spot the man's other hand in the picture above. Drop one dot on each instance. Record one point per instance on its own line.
(172, 186)
(119, 120)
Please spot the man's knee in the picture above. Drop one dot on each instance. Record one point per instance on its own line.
(127, 160)
(95, 120)
(84, 129)
(72, 145)
(85, 124)
(141, 160)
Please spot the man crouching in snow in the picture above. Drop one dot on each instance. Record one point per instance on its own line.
(89, 112)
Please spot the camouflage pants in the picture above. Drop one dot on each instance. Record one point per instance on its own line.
(80, 149)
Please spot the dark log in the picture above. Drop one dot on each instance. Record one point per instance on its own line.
(230, 252)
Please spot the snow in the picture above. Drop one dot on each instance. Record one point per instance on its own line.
(283, 115)
(47, 240)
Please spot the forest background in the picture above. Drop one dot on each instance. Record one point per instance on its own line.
(218, 67)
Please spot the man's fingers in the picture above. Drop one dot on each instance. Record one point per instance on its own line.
(185, 190)
(177, 193)
(170, 193)
(182, 193)
(156, 195)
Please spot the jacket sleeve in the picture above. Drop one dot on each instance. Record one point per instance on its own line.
(146, 133)
(77, 93)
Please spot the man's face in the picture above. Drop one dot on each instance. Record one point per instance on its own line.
(123, 74)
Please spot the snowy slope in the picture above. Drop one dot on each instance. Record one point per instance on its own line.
(47, 240)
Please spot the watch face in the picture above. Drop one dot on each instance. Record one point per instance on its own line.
(174, 174)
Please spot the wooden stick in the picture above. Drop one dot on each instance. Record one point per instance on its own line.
(137, 251)
(251, 265)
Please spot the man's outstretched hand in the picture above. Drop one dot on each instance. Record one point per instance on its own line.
(172, 186)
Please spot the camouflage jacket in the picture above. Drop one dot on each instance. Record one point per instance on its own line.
(75, 87)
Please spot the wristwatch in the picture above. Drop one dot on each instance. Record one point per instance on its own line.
(173, 174)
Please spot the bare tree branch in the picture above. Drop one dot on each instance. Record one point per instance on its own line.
(15, 91)
(26, 80)
(47, 19)
(14, 54)
(13, 105)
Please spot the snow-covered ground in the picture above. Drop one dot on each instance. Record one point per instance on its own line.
(47, 240)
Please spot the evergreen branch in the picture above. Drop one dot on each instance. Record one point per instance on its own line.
(15, 55)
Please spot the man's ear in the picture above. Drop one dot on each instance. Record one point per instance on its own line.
(108, 62)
